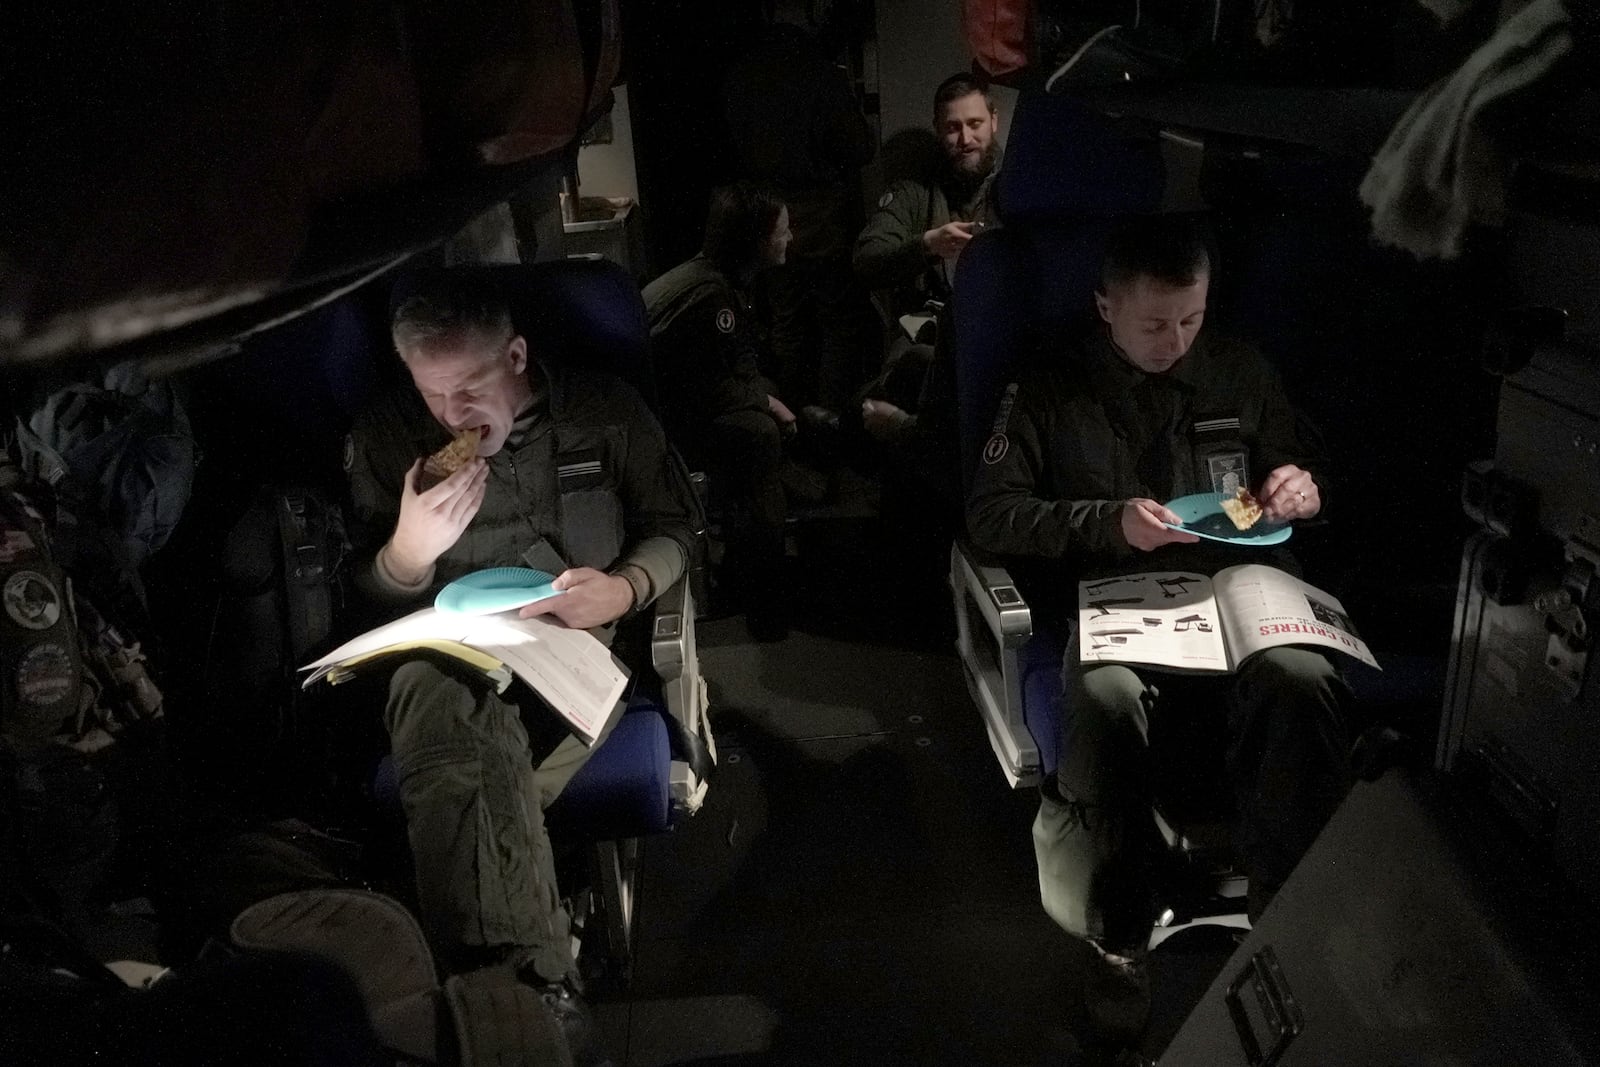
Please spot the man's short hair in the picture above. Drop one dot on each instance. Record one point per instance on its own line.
(1173, 250)
(447, 306)
(955, 87)
(740, 218)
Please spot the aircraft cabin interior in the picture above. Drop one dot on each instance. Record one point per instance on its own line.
(819, 442)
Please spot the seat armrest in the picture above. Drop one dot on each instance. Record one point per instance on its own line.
(676, 660)
(993, 622)
(995, 595)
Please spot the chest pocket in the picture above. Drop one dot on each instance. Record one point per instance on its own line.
(1221, 457)
(591, 509)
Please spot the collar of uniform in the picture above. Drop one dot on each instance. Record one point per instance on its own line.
(548, 395)
(1113, 373)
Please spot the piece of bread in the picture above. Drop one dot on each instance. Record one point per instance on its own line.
(451, 458)
(1243, 509)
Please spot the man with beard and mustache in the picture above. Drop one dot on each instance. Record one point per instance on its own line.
(909, 249)
(911, 242)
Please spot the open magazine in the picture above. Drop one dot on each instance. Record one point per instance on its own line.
(1189, 622)
(574, 673)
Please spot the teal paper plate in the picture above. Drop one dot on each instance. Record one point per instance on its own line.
(1203, 516)
(496, 589)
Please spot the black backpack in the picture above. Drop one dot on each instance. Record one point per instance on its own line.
(281, 587)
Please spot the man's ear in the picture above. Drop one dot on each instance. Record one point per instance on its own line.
(518, 351)
(1102, 304)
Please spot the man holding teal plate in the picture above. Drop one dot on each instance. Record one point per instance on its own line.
(572, 477)
(1116, 455)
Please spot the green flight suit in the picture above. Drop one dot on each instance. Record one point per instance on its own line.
(586, 479)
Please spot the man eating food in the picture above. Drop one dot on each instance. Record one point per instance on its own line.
(1148, 404)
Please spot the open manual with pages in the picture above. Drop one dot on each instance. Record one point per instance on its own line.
(574, 673)
(1189, 622)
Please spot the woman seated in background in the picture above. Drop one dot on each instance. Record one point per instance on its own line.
(716, 405)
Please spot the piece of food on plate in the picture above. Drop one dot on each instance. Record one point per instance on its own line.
(451, 458)
(1243, 509)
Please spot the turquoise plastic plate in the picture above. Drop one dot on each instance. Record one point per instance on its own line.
(496, 589)
(1203, 516)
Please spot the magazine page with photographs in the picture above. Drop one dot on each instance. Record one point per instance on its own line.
(1263, 607)
(1188, 622)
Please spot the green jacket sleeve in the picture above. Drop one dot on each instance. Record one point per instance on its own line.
(1011, 510)
(889, 252)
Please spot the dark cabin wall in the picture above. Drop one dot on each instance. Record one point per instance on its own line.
(677, 52)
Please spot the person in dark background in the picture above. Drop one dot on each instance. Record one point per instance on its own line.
(716, 404)
(911, 242)
(908, 251)
(793, 123)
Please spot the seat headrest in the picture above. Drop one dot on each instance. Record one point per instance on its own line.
(584, 312)
(1064, 160)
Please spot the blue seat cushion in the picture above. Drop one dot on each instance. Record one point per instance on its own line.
(623, 790)
(1039, 663)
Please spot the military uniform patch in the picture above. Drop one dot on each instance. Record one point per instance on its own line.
(45, 675)
(31, 601)
(996, 448)
(725, 320)
(886, 199)
(1002, 411)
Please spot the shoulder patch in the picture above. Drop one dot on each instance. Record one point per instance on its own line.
(725, 320)
(886, 199)
(996, 448)
(349, 452)
(1002, 411)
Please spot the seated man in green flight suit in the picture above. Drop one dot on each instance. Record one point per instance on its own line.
(1145, 404)
(573, 476)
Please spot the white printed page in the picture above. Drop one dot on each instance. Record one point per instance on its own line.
(1264, 607)
(1165, 618)
(570, 669)
(573, 671)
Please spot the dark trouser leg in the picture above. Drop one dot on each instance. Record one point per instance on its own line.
(840, 370)
(1288, 758)
(1090, 837)
(793, 311)
(475, 819)
(747, 458)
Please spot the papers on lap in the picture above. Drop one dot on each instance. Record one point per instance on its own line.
(572, 671)
(1186, 621)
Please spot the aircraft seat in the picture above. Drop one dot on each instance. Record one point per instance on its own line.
(1067, 173)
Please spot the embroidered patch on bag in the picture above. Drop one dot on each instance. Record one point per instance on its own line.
(14, 543)
(31, 601)
(725, 320)
(45, 675)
